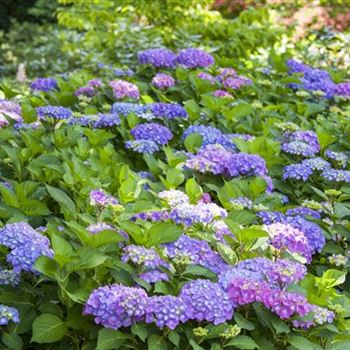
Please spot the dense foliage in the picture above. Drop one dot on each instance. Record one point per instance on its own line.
(175, 182)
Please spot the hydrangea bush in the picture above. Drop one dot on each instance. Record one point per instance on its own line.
(189, 204)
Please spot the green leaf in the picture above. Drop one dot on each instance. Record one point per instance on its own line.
(174, 338)
(109, 339)
(241, 110)
(60, 246)
(302, 343)
(193, 190)
(155, 342)
(163, 233)
(196, 270)
(193, 142)
(139, 330)
(48, 328)
(280, 326)
(194, 345)
(67, 205)
(243, 342)
(242, 322)
(12, 341)
(174, 177)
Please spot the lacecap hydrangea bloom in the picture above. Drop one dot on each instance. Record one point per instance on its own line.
(163, 81)
(123, 89)
(44, 84)
(194, 58)
(304, 143)
(26, 246)
(157, 58)
(339, 157)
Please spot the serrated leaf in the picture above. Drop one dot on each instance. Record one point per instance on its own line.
(109, 339)
(48, 328)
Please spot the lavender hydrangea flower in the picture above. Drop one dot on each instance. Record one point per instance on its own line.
(26, 245)
(8, 314)
(241, 203)
(157, 58)
(123, 89)
(304, 143)
(335, 175)
(167, 110)
(207, 301)
(120, 72)
(12, 110)
(296, 66)
(163, 81)
(166, 311)
(207, 76)
(3, 121)
(142, 146)
(285, 236)
(102, 199)
(236, 82)
(55, 112)
(317, 163)
(226, 72)
(152, 131)
(340, 157)
(144, 257)
(194, 58)
(87, 91)
(174, 197)
(222, 93)
(153, 276)
(9, 277)
(95, 83)
(320, 316)
(117, 306)
(343, 89)
(196, 252)
(99, 227)
(304, 212)
(44, 84)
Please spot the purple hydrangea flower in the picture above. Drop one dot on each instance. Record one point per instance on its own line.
(12, 110)
(304, 212)
(157, 58)
(222, 93)
(87, 91)
(152, 131)
(297, 67)
(343, 89)
(8, 314)
(166, 311)
(123, 89)
(154, 276)
(141, 256)
(142, 146)
(99, 227)
(26, 245)
(44, 84)
(117, 306)
(95, 83)
(55, 112)
(194, 58)
(196, 252)
(163, 81)
(167, 110)
(207, 76)
(304, 143)
(236, 82)
(102, 199)
(206, 301)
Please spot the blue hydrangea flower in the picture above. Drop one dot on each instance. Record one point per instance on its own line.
(125, 108)
(44, 84)
(55, 112)
(8, 314)
(167, 110)
(9, 277)
(106, 121)
(142, 146)
(297, 172)
(152, 131)
(335, 175)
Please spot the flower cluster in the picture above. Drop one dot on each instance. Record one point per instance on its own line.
(155, 132)
(123, 89)
(304, 143)
(142, 146)
(167, 110)
(44, 84)
(106, 121)
(163, 81)
(8, 314)
(10, 109)
(339, 157)
(157, 58)
(99, 227)
(102, 199)
(90, 89)
(9, 277)
(194, 58)
(55, 112)
(26, 246)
